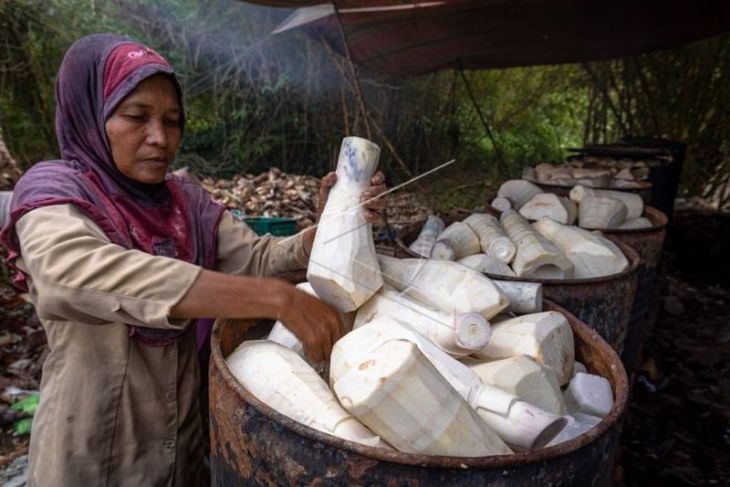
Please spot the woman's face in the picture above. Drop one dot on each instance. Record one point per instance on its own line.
(144, 131)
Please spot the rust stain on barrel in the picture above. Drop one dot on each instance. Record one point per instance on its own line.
(648, 243)
(251, 444)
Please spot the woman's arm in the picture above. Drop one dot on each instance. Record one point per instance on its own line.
(315, 323)
(77, 274)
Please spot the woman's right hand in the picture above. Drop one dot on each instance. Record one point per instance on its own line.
(314, 322)
(317, 324)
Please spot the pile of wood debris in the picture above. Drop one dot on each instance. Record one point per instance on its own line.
(276, 193)
(273, 193)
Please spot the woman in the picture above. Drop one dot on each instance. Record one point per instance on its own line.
(117, 258)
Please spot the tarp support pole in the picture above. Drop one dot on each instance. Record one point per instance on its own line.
(500, 158)
(355, 86)
(355, 77)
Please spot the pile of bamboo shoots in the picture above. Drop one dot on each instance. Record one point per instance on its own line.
(594, 209)
(438, 359)
(591, 171)
(549, 248)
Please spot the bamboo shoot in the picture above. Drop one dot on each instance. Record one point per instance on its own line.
(444, 285)
(424, 242)
(526, 379)
(589, 394)
(487, 265)
(280, 378)
(456, 334)
(552, 206)
(396, 391)
(536, 256)
(599, 212)
(343, 268)
(591, 254)
(634, 203)
(492, 237)
(520, 424)
(545, 336)
(518, 192)
(456, 241)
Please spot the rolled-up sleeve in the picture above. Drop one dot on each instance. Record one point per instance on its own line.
(241, 252)
(77, 273)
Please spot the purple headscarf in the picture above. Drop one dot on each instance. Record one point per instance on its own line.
(175, 218)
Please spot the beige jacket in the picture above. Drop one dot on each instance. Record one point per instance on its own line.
(114, 411)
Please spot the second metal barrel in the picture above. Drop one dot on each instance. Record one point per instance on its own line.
(603, 303)
(648, 243)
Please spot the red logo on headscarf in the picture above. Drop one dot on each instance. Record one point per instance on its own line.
(125, 60)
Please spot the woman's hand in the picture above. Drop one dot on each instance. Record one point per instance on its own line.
(317, 324)
(314, 322)
(373, 207)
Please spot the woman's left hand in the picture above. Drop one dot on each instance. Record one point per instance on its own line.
(374, 206)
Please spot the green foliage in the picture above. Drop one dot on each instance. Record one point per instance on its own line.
(34, 34)
(254, 100)
(27, 407)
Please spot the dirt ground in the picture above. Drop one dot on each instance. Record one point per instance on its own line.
(677, 427)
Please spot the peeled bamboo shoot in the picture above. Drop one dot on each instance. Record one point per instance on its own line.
(424, 242)
(456, 241)
(281, 379)
(545, 336)
(518, 192)
(456, 334)
(578, 424)
(634, 203)
(526, 379)
(520, 424)
(492, 237)
(591, 254)
(552, 206)
(487, 265)
(536, 256)
(502, 204)
(599, 212)
(589, 394)
(524, 297)
(397, 392)
(445, 285)
(343, 268)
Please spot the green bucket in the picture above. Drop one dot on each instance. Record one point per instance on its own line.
(278, 226)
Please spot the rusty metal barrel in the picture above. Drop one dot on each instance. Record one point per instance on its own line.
(252, 444)
(648, 243)
(603, 303)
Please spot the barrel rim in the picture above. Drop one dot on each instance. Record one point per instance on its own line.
(587, 335)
